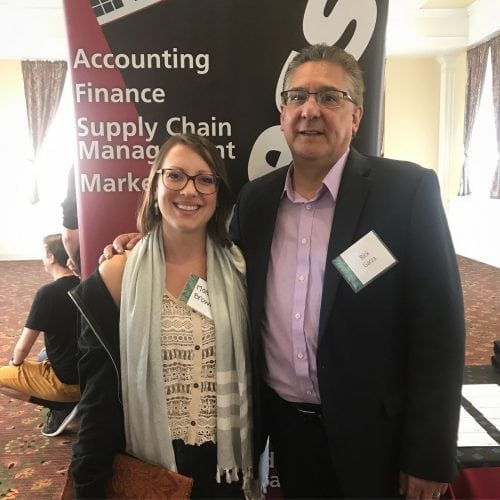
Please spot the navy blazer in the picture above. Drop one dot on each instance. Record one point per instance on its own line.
(390, 358)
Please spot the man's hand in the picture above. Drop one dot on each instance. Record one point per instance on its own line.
(23, 346)
(73, 267)
(71, 242)
(420, 489)
(121, 243)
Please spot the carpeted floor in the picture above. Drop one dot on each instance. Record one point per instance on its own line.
(481, 289)
(34, 466)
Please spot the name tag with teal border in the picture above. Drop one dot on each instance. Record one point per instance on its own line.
(195, 295)
(364, 261)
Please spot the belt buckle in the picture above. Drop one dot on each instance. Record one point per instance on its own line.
(310, 415)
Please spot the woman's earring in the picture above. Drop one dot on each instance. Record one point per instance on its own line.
(156, 207)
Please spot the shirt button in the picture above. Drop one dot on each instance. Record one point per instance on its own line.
(300, 355)
(193, 422)
(195, 385)
(303, 241)
(308, 392)
(301, 278)
(197, 347)
(308, 207)
(297, 315)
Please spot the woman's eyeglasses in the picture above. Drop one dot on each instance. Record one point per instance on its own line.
(177, 180)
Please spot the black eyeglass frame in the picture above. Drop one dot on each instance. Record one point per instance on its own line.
(345, 95)
(193, 178)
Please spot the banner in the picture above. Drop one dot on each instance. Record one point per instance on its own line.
(145, 69)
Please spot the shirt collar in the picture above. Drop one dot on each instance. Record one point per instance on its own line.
(331, 181)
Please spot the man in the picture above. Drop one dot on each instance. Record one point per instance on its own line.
(357, 369)
(53, 382)
(70, 233)
(370, 379)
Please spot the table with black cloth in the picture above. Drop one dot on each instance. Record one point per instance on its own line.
(479, 436)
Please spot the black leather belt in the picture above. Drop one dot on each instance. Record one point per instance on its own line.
(310, 412)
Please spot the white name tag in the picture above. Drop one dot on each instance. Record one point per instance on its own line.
(195, 295)
(363, 261)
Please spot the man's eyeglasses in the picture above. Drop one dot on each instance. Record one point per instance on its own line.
(177, 180)
(330, 98)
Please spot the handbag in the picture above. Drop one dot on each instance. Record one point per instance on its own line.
(134, 478)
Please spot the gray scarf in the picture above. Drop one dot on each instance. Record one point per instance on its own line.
(143, 387)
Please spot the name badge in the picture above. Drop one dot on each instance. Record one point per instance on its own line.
(363, 261)
(195, 295)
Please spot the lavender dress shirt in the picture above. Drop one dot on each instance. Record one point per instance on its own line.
(295, 285)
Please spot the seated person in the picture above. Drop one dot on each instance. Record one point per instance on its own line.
(53, 382)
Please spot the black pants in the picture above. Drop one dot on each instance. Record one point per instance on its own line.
(301, 451)
(200, 463)
(52, 405)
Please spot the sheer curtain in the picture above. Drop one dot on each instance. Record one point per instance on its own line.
(495, 63)
(43, 86)
(477, 58)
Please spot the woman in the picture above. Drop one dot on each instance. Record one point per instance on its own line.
(162, 380)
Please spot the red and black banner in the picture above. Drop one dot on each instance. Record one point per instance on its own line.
(145, 69)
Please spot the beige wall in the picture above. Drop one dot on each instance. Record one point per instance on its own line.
(411, 129)
(14, 123)
(22, 223)
(412, 114)
(15, 179)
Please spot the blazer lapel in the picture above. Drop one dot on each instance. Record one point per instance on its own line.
(354, 187)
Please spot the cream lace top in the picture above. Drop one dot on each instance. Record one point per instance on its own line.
(188, 353)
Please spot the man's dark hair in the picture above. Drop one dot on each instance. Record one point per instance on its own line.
(53, 244)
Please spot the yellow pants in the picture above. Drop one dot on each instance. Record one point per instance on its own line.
(38, 380)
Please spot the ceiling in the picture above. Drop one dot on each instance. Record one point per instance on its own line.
(36, 29)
